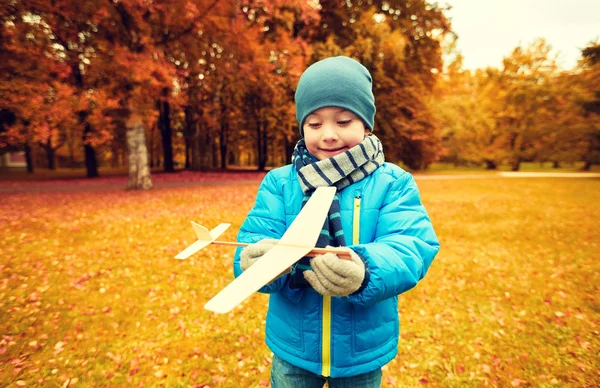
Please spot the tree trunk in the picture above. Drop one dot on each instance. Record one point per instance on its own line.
(190, 127)
(490, 165)
(166, 132)
(51, 159)
(71, 145)
(198, 146)
(50, 154)
(555, 164)
(223, 157)
(587, 166)
(187, 140)
(262, 145)
(28, 158)
(187, 154)
(289, 150)
(139, 172)
(515, 165)
(91, 164)
(215, 154)
(115, 156)
(259, 146)
(223, 145)
(260, 134)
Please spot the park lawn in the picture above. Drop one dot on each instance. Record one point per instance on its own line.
(90, 294)
(44, 174)
(451, 169)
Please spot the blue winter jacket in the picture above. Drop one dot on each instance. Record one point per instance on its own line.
(383, 217)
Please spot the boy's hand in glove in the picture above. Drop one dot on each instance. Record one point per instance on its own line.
(253, 252)
(333, 276)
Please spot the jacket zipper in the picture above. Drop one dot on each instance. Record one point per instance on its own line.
(356, 221)
(326, 345)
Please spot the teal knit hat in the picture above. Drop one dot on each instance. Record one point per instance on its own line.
(336, 82)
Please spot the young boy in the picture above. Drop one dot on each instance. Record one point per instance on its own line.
(330, 319)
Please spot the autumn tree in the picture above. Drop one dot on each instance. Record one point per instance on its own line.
(526, 111)
(273, 65)
(590, 77)
(398, 41)
(527, 80)
(190, 48)
(69, 39)
(225, 71)
(197, 52)
(34, 87)
(564, 137)
(466, 105)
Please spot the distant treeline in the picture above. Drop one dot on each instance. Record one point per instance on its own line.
(205, 84)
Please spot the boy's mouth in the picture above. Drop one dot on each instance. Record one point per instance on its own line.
(333, 149)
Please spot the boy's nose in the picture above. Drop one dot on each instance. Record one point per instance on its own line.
(329, 132)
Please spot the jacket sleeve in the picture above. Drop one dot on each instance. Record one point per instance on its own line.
(404, 246)
(265, 220)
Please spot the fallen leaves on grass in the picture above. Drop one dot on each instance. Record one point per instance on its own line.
(90, 293)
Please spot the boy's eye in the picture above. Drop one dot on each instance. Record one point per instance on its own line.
(344, 122)
(314, 125)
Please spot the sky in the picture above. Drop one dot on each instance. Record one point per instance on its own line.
(489, 30)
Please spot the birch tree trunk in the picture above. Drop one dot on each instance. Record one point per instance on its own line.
(139, 172)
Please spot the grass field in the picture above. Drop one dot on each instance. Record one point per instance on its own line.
(90, 294)
(449, 168)
(44, 174)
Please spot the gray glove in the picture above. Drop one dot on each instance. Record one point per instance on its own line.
(255, 251)
(333, 276)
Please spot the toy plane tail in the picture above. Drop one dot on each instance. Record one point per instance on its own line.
(204, 238)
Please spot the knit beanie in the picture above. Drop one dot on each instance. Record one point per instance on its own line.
(336, 82)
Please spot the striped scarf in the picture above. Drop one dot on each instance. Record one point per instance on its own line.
(339, 171)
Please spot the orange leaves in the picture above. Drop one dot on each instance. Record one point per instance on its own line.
(59, 347)
(517, 382)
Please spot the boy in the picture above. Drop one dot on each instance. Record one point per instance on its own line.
(330, 319)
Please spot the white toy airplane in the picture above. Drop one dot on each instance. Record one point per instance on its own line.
(298, 241)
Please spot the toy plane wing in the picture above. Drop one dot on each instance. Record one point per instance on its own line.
(298, 240)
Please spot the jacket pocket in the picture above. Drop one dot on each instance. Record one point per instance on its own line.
(374, 326)
(285, 322)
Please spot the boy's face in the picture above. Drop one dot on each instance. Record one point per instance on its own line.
(330, 131)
